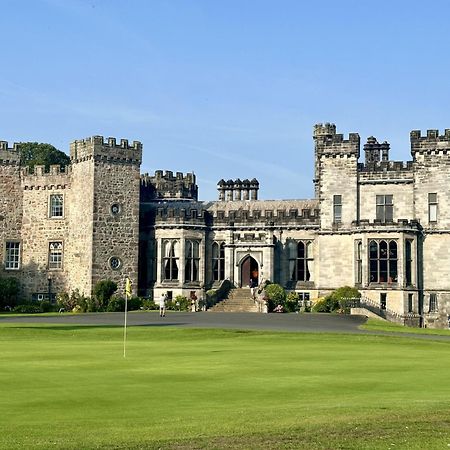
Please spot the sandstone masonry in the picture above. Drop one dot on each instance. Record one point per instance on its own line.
(382, 226)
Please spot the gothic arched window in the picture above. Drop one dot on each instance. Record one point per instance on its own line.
(300, 260)
(218, 261)
(383, 261)
(192, 261)
(170, 260)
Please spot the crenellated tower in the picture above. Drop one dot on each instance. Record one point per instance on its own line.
(167, 186)
(336, 175)
(104, 237)
(11, 210)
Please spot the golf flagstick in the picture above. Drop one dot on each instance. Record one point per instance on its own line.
(127, 294)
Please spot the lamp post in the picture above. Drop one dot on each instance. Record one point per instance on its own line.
(49, 280)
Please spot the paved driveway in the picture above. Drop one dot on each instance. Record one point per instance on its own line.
(253, 321)
(308, 323)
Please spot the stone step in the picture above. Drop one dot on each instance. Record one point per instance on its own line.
(239, 300)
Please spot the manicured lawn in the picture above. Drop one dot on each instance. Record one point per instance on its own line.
(381, 325)
(70, 387)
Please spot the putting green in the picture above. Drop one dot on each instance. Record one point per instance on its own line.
(70, 387)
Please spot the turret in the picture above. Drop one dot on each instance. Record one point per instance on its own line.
(330, 144)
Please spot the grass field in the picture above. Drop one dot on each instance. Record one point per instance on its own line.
(70, 387)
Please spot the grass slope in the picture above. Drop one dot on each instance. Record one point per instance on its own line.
(382, 325)
(69, 387)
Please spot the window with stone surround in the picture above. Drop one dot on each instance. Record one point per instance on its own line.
(432, 207)
(337, 208)
(192, 261)
(385, 208)
(383, 261)
(218, 261)
(300, 260)
(12, 255)
(408, 262)
(433, 303)
(170, 259)
(55, 255)
(56, 209)
(358, 249)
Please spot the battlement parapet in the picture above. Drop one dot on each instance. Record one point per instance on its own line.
(166, 185)
(95, 147)
(365, 224)
(387, 166)
(181, 215)
(432, 142)
(329, 143)
(276, 216)
(56, 177)
(9, 155)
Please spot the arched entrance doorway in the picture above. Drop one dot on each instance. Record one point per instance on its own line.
(249, 271)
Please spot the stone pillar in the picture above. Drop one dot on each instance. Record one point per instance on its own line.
(159, 259)
(181, 274)
(229, 193)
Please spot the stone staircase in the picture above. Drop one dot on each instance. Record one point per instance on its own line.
(239, 300)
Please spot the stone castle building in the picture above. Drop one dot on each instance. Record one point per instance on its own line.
(382, 226)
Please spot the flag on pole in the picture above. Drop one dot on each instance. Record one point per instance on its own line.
(128, 287)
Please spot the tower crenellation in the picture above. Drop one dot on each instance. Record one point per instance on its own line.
(166, 185)
(9, 155)
(96, 147)
(432, 142)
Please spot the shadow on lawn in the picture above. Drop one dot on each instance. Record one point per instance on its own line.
(64, 327)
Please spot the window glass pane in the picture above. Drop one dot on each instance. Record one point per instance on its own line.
(383, 249)
(215, 250)
(393, 250)
(392, 271)
(383, 270)
(373, 271)
(432, 198)
(373, 250)
(301, 250)
(56, 205)
(389, 213)
(388, 199)
(380, 213)
(433, 213)
(55, 255)
(12, 259)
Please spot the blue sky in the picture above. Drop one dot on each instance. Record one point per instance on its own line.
(226, 89)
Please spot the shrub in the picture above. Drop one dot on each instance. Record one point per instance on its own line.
(149, 305)
(28, 308)
(179, 303)
(276, 295)
(9, 292)
(76, 302)
(291, 302)
(103, 291)
(344, 296)
(116, 304)
(321, 305)
(336, 301)
(134, 303)
(47, 306)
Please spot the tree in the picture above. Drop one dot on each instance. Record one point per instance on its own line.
(38, 154)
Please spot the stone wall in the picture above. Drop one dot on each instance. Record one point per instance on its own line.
(10, 202)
